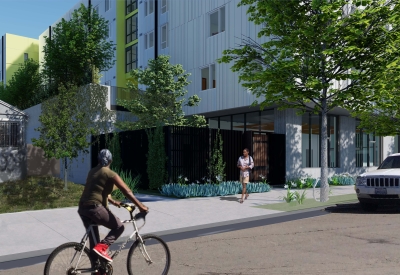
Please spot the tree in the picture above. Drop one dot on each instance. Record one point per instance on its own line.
(77, 48)
(384, 118)
(68, 119)
(318, 55)
(161, 102)
(24, 89)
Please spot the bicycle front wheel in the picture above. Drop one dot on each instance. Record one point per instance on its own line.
(65, 258)
(151, 258)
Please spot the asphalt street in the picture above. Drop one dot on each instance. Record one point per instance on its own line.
(338, 240)
(247, 223)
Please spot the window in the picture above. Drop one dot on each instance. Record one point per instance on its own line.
(253, 121)
(131, 58)
(148, 7)
(396, 144)
(208, 79)
(225, 123)
(26, 56)
(9, 133)
(217, 21)
(149, 40)
(107, 5)
(164, 6)
(131, 5)
(238, 122)
(311, 142)
(96, 9)
(368, 148)
(131, 28)
(164, 38)
(108, 83)
(213, 123)
(267, 120)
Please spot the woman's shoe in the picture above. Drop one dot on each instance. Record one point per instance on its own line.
(241, 200)
(247, 195)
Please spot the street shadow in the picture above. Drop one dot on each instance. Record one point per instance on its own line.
(355, 208)
(229, 199)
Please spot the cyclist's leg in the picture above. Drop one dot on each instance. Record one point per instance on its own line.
(85, 215)
(107, 219)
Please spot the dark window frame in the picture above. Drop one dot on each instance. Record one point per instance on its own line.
(245, 120)
(359, 141)
(130, 6)
(337, 165)
(129, 65)
(129, 37)
(10, 134)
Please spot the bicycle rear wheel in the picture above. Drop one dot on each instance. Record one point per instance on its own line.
(158, 252)
(64, 259)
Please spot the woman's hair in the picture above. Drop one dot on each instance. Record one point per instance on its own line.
(104, 157)
(247, 150)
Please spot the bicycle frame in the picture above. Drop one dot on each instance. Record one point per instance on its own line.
(142, 249)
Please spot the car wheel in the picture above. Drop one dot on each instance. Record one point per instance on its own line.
(368, 207)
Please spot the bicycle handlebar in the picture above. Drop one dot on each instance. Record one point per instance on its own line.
(131, 208)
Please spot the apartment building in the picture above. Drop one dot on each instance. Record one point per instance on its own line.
(14, 50)
(195, 33)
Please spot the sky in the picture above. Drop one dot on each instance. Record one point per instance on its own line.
(31, 18)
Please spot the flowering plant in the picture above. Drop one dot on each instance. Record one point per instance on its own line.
(182, 180)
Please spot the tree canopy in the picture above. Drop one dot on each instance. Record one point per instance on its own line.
(319, 54)
(160, 103)
(77, 47)
(24, 89)
(70, 118)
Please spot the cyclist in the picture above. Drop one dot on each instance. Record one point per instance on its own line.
(93, 205)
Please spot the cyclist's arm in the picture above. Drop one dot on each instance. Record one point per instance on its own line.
(128, 192)
(112, 201)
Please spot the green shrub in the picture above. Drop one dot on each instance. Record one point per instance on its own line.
(132, 182)
(156, 158)
(211, 190)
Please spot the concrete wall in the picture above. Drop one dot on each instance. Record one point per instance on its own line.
(37, 164)
(288, 123)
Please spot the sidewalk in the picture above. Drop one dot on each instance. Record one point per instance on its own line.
(36, 233)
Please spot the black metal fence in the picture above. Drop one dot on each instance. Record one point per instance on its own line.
(188, 150)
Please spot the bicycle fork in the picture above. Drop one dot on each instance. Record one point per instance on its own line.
(143, 250)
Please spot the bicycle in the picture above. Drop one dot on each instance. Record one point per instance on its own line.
(78, 260)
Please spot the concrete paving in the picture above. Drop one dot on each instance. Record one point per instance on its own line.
(36, 233)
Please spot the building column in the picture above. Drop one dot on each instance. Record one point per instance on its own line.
(288, 123)
(387, 147)
(347, 146)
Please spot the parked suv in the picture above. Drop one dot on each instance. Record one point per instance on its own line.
(381, 186)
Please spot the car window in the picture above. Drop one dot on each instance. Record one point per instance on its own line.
(390, 163)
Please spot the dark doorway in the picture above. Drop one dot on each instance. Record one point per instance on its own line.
(277, 158)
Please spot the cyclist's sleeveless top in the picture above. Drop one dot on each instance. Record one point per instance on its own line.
(98, 186)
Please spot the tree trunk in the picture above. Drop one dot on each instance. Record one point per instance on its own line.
(324, 195)
(65, 174)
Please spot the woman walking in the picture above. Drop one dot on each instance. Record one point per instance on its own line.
(245, 164)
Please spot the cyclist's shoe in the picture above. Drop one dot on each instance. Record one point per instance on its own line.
(101, 250)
